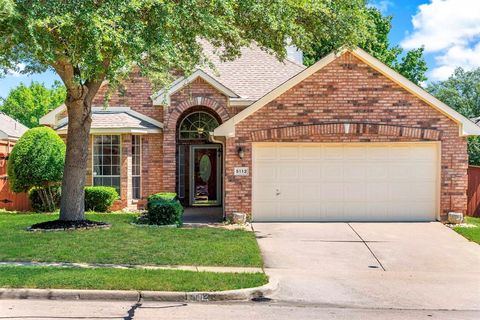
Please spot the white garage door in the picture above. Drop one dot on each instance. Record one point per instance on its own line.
(345, 182)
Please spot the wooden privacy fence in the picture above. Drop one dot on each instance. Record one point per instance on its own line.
(473, 192)
(9, 200)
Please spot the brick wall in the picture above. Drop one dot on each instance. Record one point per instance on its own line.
(347, 91)
(198, 93)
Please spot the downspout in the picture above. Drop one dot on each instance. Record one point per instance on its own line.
(212, 138)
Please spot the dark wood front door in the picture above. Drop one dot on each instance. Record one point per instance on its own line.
(205, 175)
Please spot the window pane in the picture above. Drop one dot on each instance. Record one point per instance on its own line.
(115, 171)
(115, 139)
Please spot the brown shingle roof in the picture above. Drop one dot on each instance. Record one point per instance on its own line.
(253, 74)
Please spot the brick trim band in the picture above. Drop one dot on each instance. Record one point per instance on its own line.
(346, 128)
(176, 112)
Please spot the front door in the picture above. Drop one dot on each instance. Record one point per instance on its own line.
(205, 174)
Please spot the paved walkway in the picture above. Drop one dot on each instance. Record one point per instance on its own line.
(132, 266)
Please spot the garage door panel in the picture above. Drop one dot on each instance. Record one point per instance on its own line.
(355, 191)
(345, 182)
(310, 191)
(287, 171)
(333, 153)
(377, 192)
(310, 172)
(310, 153)
(265, 192)
(354, 153)
(288, 153)
(332, 171)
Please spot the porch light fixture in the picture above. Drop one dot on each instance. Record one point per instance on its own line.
(241, 152)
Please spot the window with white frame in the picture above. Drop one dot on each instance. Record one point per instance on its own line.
(106, 161)
(136, 166)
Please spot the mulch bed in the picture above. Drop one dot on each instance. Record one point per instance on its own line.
(59, 225)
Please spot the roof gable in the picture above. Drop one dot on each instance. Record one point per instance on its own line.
(466, 127)
(10, 128)
(163, 96)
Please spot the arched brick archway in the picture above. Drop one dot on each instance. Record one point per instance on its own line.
(170, 130)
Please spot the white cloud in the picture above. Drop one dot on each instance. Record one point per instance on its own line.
(450, 29)
(16, 72)
(382, 5)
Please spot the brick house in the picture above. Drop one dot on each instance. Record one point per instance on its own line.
(347, 139)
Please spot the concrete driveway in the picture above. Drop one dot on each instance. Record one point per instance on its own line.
(372, 265)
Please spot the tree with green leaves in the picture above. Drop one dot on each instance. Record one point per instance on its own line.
(412, 65)
(37, 161)
(28, 104)
(461, 91)
(87, 42)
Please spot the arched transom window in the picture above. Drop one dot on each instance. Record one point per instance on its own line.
(196, 126)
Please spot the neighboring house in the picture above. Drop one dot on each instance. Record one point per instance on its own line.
(347, 139)
(10, 131)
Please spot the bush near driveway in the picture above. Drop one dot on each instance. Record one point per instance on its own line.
(99, 198)
(125, 243)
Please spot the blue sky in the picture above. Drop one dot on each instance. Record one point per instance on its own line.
(449, 30)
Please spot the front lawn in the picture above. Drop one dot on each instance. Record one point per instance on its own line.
(472, 234)
(124, 243)
(126, 279)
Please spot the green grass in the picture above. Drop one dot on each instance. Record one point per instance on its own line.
(472, 234)
(121, 279)
(125, 243)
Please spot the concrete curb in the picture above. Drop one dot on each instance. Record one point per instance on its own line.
(125, 295)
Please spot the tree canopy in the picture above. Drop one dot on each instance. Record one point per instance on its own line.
(412, 65)
(461, 91)
(28, 104)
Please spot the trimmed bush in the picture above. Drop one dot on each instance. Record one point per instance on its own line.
(37, 161)
(165, 196)
(36, 194)
(164, 209)
(99, 198)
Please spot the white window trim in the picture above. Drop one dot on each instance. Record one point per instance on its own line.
(140, 167)
(93, 161)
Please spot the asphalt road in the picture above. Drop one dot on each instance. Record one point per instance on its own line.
(73, 310)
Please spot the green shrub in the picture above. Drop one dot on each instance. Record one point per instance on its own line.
(37, 161)
(166, 196)
(38, 204)
(164, 209)
(99, 198)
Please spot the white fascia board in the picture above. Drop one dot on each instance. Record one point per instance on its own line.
(466, 126)
(3, 136)
(241, 102)
(116, 131)
(227, 129)
(162, 97)
(50, 118)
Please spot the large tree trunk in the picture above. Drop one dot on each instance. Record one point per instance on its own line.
(72, 205)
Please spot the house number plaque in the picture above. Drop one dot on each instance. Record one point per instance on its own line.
(241, 171)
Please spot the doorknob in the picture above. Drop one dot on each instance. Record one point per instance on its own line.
(277, 192)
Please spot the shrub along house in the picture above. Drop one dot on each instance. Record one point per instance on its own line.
(346, 139)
